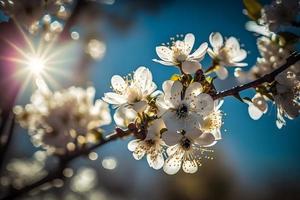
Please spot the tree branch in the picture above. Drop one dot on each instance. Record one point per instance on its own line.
(268, 78)
(64, 161)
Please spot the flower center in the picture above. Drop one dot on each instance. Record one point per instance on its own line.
(185, 143)
(178, 51)
(182, 111)
(133, 95)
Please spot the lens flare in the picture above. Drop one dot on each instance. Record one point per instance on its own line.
(36, 65)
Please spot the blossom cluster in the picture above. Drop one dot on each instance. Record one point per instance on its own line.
(275, 47)
(176, 126)
(61, 121)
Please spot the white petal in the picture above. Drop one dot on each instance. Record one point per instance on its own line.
(174, 124)
(172, 149)
(140, 106)
(200, 52)
(155, 128)
(173, 163)
(190, 67)
(254, 112)
(211, 53)
(232, 43)
(132, 145)
(216, 40)
(205, 104)
(193, 134)
(217, 134)
(189, 166)
(118, 83)
(139, 152)
(156, 162)
(164, 53)
(167, 85)
(205, 140)
(191, 93)
(241, 55)
(176, 90)
(189, 41)
(237, 64)
(143, 79)
(167, 63)
(114, 98)
(171, 138)
(124, 115)
(222, 73)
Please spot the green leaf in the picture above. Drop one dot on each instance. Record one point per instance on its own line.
(175, 77)
(253, 8)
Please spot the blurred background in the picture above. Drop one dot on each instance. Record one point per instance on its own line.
(255, 160)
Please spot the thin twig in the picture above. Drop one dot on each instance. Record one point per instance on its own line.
(268, 78)
(64, 161)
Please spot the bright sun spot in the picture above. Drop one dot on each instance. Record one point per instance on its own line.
(36, 65)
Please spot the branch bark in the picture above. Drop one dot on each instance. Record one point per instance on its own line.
(63, 162)
(268, 78)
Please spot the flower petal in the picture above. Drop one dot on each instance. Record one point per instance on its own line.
(124, 115)
(191, 93)
(254, 112)
(139, 152)
(232, 43)
(156, 162)
(199, 54)
(189, 41)
(194, 133)
(114, 98)
(205, 140)
(167, 85)
(189, 166)
(118, 83)
(240, 55)
(171, 138)
(155, 128)
(222, 73)
(132, 145)
(176, 90)
(173, 163)
(216, 40)
(205, 104)
(164, 53)
(190, 67)
(167, 63)
(140, 106)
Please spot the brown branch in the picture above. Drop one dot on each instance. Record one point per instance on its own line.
(64, 161)
(268, 78)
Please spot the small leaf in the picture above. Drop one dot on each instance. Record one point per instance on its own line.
(175, 77)
(253, 8)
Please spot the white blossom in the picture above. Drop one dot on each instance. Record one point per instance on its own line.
(56, 119)
(179, 54)
(280, 13)
(151, 146)
(257, 107)
(185, 149)
(131, 92)
(225, 54)
(287, 97)
(184, 111)
(124, 115)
